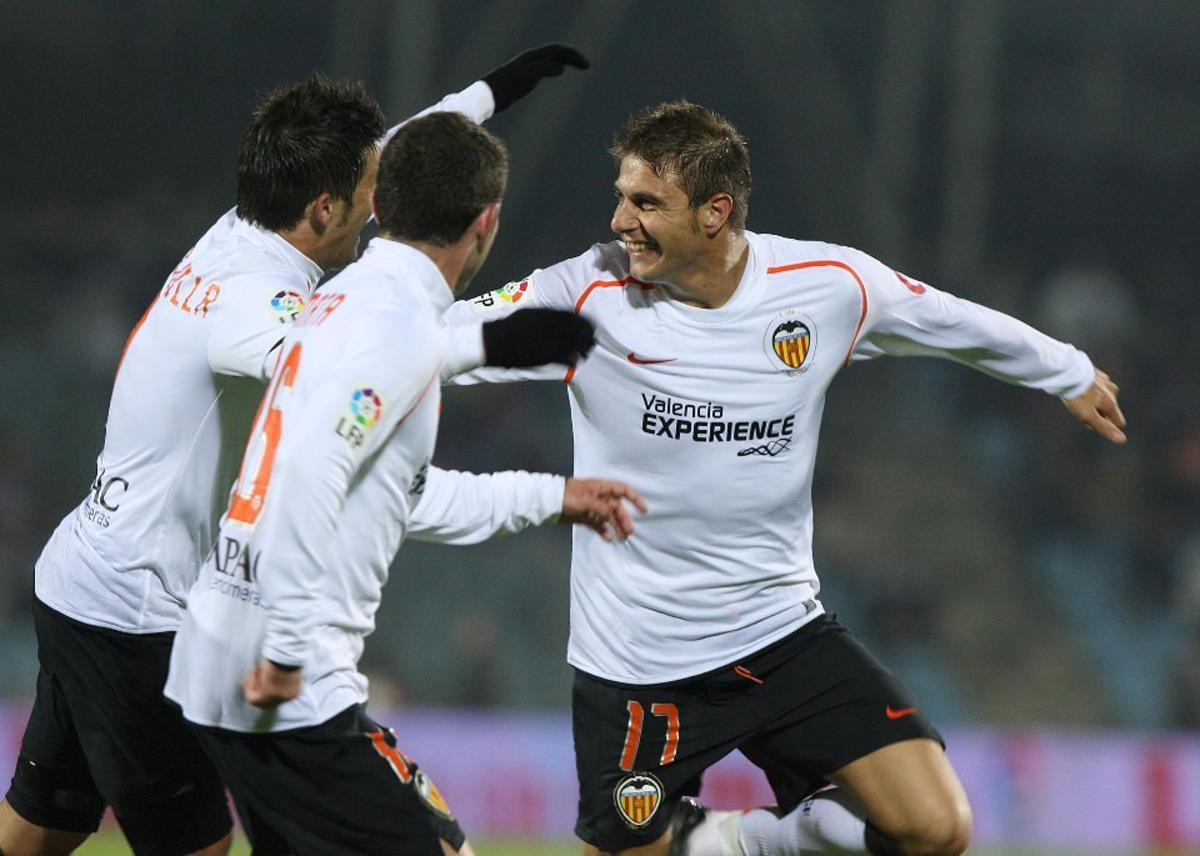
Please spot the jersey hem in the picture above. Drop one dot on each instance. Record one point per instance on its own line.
(703, 669)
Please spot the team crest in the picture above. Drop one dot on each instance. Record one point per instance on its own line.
(431, 796)
(287, 306)
(637, 797)
(789, 342)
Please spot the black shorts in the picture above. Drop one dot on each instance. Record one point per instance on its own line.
(101, 732)
(340, 788)
(799, 709)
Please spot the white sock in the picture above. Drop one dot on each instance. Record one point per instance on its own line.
(716, 835)
(828, 822)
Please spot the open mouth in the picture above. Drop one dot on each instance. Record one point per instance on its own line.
(639, 249)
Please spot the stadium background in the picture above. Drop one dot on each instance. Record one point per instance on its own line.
(1034, 586)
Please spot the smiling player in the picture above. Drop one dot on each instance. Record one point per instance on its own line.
(705, 634)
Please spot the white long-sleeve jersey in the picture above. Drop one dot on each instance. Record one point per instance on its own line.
(184, 397)
(338, 455)
(713, 414)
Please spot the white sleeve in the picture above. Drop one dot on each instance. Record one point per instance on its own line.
(466, 508)
(251, 323)
(556, 287)
(310, 481)
(475, 102)
(906, 317)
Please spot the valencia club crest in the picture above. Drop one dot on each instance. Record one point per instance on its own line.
(789, 342)
(637, 797)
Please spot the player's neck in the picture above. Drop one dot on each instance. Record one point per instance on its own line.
(306, 241)
(712, 281)
(449, 259)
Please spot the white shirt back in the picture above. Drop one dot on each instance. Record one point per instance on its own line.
(184, 396)
(336, 461)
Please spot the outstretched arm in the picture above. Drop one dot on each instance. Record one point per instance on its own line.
(910, 318)
(467, 508)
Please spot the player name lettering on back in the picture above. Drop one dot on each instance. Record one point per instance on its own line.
(184, 291)
(703, 423)
(320, 306)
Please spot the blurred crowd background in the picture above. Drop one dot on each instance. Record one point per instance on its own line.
(1039, 158)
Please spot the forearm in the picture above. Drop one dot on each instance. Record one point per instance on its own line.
(475, 102)
(466, 508)
(939, 324)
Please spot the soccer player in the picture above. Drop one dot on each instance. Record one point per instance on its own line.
(705, 634)
(112, 581)
(265, 660)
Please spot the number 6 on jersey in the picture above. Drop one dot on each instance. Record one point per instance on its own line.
(250, 490)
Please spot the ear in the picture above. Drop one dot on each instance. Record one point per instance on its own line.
(320, 213)
(715, 213)
(487, 222)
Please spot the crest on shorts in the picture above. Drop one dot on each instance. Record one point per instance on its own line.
(637, 797)
(789, 342)
(431, 796)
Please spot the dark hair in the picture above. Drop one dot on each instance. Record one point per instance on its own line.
(700, 148)
(435, 177)
(304, 140)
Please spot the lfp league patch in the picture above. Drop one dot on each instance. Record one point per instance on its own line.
(637, 798)
(287, 306)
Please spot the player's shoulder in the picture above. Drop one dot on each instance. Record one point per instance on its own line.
(606, 261)
(245, 272)
(779, 254)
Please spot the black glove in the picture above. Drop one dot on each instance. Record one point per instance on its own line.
(517, 77)
(534, 337)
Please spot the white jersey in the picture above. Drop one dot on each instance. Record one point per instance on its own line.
(338, 456)
(713, 415)
(184, 397)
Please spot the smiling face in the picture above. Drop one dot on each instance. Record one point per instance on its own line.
(657, 225)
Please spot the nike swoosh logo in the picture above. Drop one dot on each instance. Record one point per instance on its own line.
(638, 361)
(899, 714)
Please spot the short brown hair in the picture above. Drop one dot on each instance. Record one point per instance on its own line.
(435, 177)
(698, 147)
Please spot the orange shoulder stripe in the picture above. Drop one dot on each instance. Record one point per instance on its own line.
(587, 292)
(862, 317)
(134, 331)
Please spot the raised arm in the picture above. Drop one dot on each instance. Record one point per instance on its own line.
(504, 85)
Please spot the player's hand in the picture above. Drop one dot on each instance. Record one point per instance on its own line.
(1098, 410)
(534, 337)
(516, 78)
(269, 686)
(601, 505)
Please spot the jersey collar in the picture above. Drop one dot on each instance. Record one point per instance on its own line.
(398, 258)
(275, 244)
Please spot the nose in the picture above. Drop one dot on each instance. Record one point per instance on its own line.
(622, 219)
